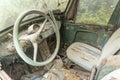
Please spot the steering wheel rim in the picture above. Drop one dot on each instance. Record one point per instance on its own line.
(18, 47)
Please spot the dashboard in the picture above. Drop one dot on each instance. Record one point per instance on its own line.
(6, 41)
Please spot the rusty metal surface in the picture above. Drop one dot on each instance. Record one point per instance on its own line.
(16, 70)
(72, 11)
(44, 50)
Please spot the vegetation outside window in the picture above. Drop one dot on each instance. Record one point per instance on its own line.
(95, 11)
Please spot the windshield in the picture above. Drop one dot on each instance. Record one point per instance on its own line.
(9, 9)
(95, 11)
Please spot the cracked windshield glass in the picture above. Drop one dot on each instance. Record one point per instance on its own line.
(95, 11)
(11, 9)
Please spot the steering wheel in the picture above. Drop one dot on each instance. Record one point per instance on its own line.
(33, 38)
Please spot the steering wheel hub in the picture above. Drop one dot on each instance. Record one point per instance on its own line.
(33, 37)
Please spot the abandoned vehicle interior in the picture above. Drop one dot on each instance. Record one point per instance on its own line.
(59, 40)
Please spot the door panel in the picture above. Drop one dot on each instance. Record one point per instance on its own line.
(94, 35)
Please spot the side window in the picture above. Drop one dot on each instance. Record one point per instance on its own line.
(95, 11)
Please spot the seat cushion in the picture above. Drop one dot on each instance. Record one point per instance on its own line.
(83, 55)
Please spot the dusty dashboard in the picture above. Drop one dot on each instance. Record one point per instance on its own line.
(6, 37)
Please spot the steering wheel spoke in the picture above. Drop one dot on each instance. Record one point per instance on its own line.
(33, 36)
(35, 46)
(42, 26)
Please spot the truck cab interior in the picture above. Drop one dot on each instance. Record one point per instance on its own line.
(59, 39)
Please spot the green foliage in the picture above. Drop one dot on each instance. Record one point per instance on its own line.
(95, 11)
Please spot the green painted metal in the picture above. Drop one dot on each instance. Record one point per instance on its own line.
(115, 18)
(90, 34)
(94, 35)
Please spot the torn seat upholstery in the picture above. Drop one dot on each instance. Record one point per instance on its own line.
(86, 56)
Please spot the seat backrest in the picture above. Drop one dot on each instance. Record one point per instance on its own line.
(112, 46)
